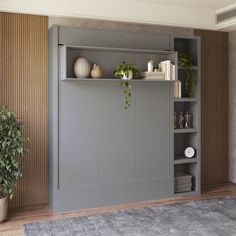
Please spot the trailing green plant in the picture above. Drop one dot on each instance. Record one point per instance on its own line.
(123, 71)
(11, 149)
(126, 88)
(190, 80)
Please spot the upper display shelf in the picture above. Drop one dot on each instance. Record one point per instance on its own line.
(117, 80)
(113, 49)
(108, 58)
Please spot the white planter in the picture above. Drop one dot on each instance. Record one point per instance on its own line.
(124, 77)
(3, 208)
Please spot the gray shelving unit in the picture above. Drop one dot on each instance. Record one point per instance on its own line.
(188, 137)
(99, 153)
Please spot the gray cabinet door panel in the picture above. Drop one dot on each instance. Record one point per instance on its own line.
(152, 41)
(70, 198)
(152, 131)
(116, 136)
(78, 133)
(78, 36)
(116, 39)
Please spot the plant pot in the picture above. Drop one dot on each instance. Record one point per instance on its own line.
(129, 77)
(3, 207)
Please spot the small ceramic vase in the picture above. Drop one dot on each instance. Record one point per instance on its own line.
(150, 65)
(96, 72)
(82, 68)
(129, 77)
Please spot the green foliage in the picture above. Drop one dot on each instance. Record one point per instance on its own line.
(126, 87)
(125, 67)
(11, 148)
(190, 81)
(121, 71)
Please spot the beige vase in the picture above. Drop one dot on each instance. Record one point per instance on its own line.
(3, 208)
(96, 72)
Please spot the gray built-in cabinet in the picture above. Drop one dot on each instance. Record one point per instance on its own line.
(100, 153)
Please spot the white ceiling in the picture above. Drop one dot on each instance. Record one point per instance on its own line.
(213, 5)
(200, 14)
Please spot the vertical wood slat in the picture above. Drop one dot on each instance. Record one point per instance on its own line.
(23, 87)
(214, 113)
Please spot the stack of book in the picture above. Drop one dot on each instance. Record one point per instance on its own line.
(183, 182)
(153, 75)
(168, 68)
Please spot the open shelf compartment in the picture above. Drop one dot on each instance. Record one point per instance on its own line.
(109, 58)
(193, 109)
(189, 169)
(184, 140)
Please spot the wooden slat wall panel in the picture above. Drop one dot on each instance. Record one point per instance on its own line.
(23, 87)
(214, 113)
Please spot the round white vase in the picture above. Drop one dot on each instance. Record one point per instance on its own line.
(82, 68)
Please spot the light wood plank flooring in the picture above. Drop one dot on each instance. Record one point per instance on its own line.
(17, 217)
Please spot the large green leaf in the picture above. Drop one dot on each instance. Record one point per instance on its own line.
(11, 149)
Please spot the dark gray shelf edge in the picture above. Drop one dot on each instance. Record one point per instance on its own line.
(185, 161)
(194, 192)
(192, 68)
(183, 131)
(186, 99)
(116, 80)
(117, 49)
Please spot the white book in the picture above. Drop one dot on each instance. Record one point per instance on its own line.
(152, 74)
(165, 68)
(180, 89)
(168, 70)
(173, 72)
(154, 78)
(177, 89)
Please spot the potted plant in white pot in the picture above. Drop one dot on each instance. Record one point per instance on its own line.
(11, 149)
(126, 71)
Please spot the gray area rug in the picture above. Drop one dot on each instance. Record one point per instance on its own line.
(208, 217)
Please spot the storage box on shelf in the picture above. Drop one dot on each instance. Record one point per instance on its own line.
(186, 178)
(183, 182)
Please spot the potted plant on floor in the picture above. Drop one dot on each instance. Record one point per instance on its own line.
(11, 149)
(126, 71)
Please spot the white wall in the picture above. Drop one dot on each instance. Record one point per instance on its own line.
(122, 10)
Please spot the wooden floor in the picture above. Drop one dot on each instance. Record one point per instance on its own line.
(12, 227)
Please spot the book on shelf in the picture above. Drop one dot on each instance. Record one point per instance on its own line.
(177, 89)
(154, 75)
(168, 68)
